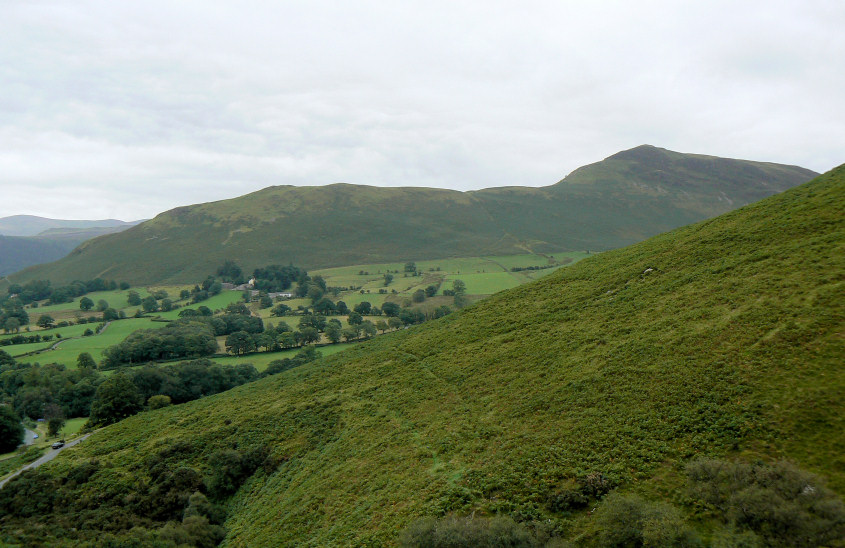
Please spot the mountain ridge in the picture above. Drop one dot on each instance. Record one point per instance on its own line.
(601, 206)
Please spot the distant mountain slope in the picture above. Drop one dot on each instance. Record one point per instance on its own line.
(628, 197)
(19, 252)
(722, 339)
(30, 225)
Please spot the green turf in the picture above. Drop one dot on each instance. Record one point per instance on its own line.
(217, 302)
(261, 359)
(68, 352)
(73, 426)
(485, 284)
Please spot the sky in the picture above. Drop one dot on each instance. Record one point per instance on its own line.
(127, 109)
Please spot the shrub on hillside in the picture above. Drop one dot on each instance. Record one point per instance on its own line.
(781, 504)
(459, 532)
(628, 520)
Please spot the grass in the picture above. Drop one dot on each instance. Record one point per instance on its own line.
(73, 426)
(628, 365)
(70, 349)
(485, 284)
(217, 302)
(261, 359)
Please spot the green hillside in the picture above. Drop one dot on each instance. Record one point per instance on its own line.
(621, 200)
(720, 339)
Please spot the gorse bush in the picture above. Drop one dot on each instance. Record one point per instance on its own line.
(781, 504)
(474, 532)
(628, 520)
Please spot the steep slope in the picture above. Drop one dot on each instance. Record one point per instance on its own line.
(17, 252)
(27, 240)
(724, 338)
(621, 200)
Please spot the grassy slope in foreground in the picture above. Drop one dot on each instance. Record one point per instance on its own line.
(731, 346)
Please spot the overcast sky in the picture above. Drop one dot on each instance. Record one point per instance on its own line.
(127, 109)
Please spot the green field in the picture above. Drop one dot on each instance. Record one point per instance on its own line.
(484, 284)
(73, 426)
(69, 349)
(117, 299)
(261, 359)
(217, 302)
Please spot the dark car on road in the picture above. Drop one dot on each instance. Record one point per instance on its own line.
(59, 444)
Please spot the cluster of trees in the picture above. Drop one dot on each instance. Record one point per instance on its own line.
(28, 339)
(11, 429)
(180, 339)
(46, 391)
(39, 290)
(52, 391)
(521, 268)
(130, 391)
(13, 315)
(459, 290)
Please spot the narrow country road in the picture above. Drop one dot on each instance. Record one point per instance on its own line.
(47, 457)
(29, 436)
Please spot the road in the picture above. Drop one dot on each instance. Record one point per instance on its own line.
(47, 457)
(29, 436)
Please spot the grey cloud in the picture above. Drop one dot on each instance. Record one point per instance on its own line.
(114, 110)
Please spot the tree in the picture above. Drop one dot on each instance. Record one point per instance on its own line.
(363, 308)
(431, 291)
(394, 322)
(265, 302)
(309, 335)
(46, 321)
(116, 398)
(149, 304)
(166, 305)
(387, 279)
(342, 309)
(11, 429)
(12, 325)
(418, 296)
(5, 358)
(390, 309)
(230, 271)
(133, 298)
(368, 329)
(279, 310)
(184, 295)
(334, 333)
(54, 425)
(86, 304)
(458, 286)
(102, 305)
(410, 267)
(240, 342)
(158, 401)
(85, 360)
(350, 333)
(324, 306)
(354, 318)
(110, 314)
(124, 286)
(382, 326)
